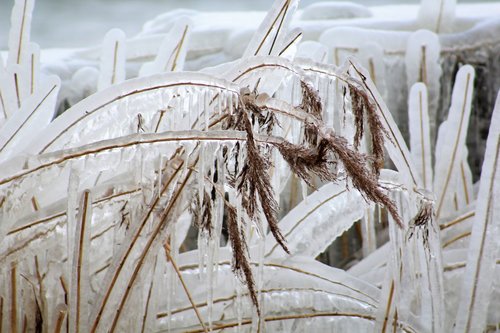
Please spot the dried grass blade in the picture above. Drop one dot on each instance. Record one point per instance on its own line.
(78, 310)
(13, 297)
(184, 286)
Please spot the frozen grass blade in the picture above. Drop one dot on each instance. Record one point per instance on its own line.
(271, 34)
(172, 52)
(483, 246)
(420, 134)
(78, 303)
(34, 115)
(184, 286)
(451, 141)
(112, 68)
(19, 35)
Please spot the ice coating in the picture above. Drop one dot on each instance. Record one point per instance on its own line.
(65, 130)
(420, 140)
(422, 65)
(112, 66)
(36, 113)
(451, 140)
(148, 148)
(269, 38)
(483, 250)
(437, 16)
(172, 51)
(19, 36)
(315, 216)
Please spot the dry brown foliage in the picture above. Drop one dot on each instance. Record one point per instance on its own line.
(202, 212)
(304, 160)
(362, 178)
(311, 104)
(240, 264)
(361, 105)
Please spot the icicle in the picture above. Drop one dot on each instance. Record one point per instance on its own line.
(206, 109)
(171, 286)
(212, 244)
(201, 172)
(238, 302)
(72, 206)
(160, 176)
(230, 101)
(369, 238)
(220, 97)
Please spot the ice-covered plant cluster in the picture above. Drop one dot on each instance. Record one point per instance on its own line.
(136, 196)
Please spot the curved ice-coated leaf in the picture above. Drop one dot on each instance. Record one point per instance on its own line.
(483, 245)
(117, 110)
(267, 73)
(295, 288)
(302, 272)
(420, 134)
(34, 115)
(318, 220)
(451, 141)
(138, 154)
(172, 52)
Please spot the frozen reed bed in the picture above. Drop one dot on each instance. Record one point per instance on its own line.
(136, 196)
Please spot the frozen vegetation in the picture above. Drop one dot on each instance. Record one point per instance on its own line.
(197, 177)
